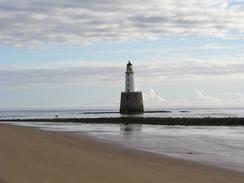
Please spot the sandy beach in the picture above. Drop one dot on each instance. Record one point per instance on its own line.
(30, 155)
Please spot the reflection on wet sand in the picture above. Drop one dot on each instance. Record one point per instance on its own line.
(130, 129)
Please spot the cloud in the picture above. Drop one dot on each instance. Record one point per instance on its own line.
(190, 69)
(112, 73)
(217, 47)
(207, 100)
(200, 94)
(203, 99)
(240, 96)
(59, 76)
(153, 97)
(31, 23)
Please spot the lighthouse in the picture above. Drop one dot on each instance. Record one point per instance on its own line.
(129, 78)
(131, 101)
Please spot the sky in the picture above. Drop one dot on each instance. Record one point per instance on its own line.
(72, 53)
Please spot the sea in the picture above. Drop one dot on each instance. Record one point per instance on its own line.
(220, 146)
(97, 113)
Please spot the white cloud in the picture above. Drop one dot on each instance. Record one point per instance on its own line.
(112, 73)
(152, 99)
(59, 76)
(203, 99)
(240, 96)
(217, 46)
(71, 22)
(155, 100)
(191, 69)
(200, 94)
(153, 96)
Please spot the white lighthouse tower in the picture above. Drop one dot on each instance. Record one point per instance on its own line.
(131, 100)
(129, 78)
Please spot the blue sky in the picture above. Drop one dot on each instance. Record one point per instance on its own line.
(62, 54)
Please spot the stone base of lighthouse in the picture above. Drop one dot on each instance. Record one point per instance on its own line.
(131, 102)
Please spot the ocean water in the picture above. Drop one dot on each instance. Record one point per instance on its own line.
(219, 146)
(95, 113)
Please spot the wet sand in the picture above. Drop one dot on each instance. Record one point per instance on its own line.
(30, 155)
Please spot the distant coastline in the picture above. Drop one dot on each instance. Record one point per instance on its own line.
(230, 121)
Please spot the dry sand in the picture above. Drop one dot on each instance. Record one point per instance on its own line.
(33, 156)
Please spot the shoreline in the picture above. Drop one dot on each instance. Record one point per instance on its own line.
(120, 147)
(44, 154)
(230, 121)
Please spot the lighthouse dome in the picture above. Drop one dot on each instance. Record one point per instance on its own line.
(129, 64)
(129, 68)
